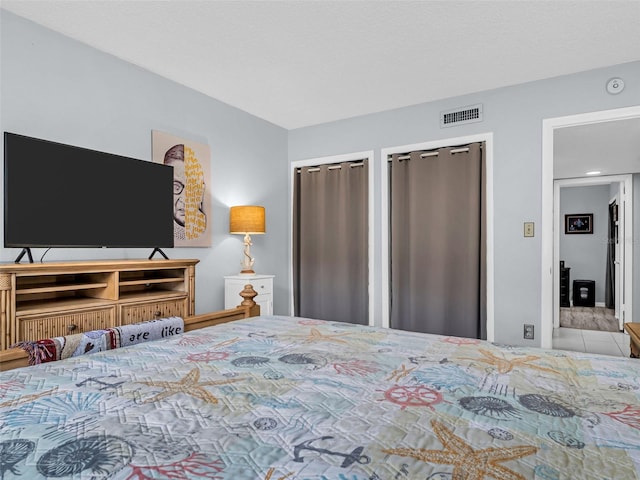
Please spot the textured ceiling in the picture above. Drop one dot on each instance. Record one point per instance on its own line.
(608, 147)
(299, 63)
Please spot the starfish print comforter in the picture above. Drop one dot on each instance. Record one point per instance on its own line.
(276, 398)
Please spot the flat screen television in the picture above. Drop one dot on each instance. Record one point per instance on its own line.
(58, 195)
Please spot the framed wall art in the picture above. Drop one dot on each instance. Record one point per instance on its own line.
(578, 223)
(191, 187)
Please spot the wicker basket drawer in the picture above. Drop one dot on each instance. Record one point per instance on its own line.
(37, 327)
(141, 312)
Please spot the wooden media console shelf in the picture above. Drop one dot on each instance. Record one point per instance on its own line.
(43, 300)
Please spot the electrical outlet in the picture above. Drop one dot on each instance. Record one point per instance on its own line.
(528, 229)
(528, 331)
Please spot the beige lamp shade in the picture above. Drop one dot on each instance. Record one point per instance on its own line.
(246, 219)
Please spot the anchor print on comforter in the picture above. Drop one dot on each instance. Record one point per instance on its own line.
(290, 398)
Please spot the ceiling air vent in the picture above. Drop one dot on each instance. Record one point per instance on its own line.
(460, 116)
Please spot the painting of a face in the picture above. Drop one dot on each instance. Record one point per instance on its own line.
(190, 162)
(195, 220)
(175, 158)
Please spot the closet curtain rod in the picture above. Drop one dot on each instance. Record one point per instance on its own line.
(431, 154)
(331, 167)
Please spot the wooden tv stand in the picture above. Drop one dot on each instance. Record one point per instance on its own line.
(43, 300)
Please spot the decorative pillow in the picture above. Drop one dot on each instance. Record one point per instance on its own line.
(58, 348)
(144, 331)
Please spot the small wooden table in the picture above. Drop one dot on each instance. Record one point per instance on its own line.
(633, 329)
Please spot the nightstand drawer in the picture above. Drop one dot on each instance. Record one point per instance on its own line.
(263, 287)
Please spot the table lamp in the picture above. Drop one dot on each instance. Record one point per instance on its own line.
(247, 220)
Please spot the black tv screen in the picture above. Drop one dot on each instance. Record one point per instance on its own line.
(58, 195)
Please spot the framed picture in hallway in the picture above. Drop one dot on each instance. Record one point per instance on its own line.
(578, 223)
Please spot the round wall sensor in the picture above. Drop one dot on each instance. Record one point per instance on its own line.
(615, 86)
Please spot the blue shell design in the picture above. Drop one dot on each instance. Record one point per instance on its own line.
(546, 472)
(500, 434)
(272, 375)
(248, 362)
(13, 452)
(100, 456)
(565, 440)
(449, 377)
(303, 359)
(543, 404)
(56, 410)
(489, 407)
(265, 423)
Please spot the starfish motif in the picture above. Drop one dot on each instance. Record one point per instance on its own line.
(505, 366)
(400, 373)
(190, 385)
(226, 343)
(468, 464)
(316, 336)
(28, 398)
(272, 471)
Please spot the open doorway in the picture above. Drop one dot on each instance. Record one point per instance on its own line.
(550, 221)
(592, 261)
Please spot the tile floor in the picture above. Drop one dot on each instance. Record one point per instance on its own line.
(591, 341)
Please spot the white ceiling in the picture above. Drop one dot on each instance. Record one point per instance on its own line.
(301, 62)
(608, 147)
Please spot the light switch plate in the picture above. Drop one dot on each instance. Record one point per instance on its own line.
(528, 229)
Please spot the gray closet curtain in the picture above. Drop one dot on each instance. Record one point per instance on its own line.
(610, 285)
(438, 242)
(330, 244)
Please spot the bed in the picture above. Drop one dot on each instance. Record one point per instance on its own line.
(276, 398)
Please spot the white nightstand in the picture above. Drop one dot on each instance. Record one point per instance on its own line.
(263, 284)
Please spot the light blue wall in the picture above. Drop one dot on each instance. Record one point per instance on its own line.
(58, 89)
(55, 88)
(586, 254)
(514, 115)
